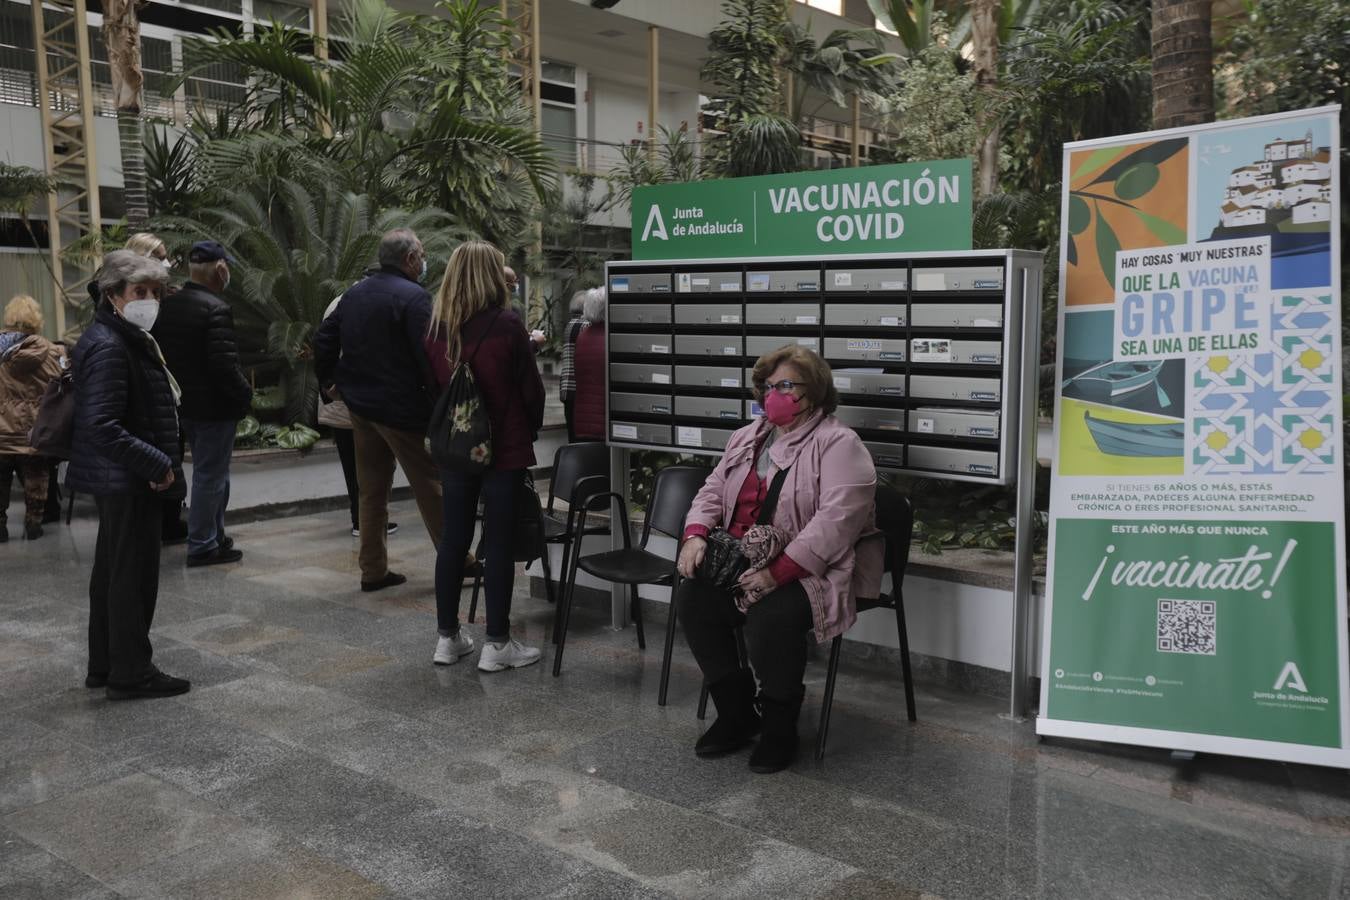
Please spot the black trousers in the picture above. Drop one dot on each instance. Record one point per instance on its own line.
(346, 448)
(124, 586)
(776, 630)
(459, 494)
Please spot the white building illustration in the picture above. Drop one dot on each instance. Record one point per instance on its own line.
(1291, 185)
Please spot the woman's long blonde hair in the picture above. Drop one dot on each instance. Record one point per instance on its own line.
(474, 280)
(143, 243)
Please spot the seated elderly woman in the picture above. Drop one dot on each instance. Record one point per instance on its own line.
(798, 488)
(124, 452)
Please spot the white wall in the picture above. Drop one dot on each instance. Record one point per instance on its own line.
(21, 143)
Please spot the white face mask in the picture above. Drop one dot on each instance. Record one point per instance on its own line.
(167, 264)
(227, 280)
(423, 276)
(141, 313)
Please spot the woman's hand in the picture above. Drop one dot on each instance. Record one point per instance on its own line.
(165, 483)
(757, 582)
(691, 554)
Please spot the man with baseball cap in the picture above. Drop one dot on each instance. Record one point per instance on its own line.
(195, 330)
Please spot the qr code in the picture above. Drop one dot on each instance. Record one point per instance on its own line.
(1187, 626)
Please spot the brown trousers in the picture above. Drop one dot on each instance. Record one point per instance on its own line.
(34, 472)
(378, 447)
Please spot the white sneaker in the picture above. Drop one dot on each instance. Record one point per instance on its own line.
(512, 655)
(450, 649)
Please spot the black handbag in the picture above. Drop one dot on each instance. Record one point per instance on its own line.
(723, 562)
(459, 435)
(54, 427)
(527, 531)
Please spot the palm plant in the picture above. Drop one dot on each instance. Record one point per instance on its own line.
(297, 247)
(845, 62)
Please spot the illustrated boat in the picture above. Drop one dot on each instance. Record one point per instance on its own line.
(1136, 439)
(1117, 379)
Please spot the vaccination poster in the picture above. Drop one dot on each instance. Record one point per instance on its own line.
(1196, 576)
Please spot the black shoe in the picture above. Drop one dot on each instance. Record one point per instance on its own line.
(777, 746)
(214, 557)
(32, 532)
(95, 681)
(225, 543)
(389, 580)
(157, 685)
(737, 722)
(389, 530)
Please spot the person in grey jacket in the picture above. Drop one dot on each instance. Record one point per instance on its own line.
(124, 452)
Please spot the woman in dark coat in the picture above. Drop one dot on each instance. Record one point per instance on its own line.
(124, 453)
(588, 409)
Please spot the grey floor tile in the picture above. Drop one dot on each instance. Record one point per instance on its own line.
(28, 872)
(113, 829)
(266, 703)
(37, 764)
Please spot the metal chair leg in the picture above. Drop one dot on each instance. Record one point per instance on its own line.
(565, 617)
(827, 702)
(703, 702)
(473, 603)
(904, 655)
(70, 508)
(670, 642)
(636, 613)
(548, 573)
(558, 611)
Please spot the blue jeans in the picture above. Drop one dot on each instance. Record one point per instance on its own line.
(211, 443)
(459, 496)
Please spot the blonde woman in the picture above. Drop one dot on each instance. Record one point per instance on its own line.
(28, 361)
(472, 322)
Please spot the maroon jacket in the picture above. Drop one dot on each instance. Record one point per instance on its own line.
(588, 409)
(507, 378)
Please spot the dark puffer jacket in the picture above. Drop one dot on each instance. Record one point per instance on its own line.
(371, 348)
(195, 329)
(126, 424)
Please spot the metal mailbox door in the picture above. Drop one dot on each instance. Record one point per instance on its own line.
(708, 376)
(948, 459)
(703, 438)
(728, 408)
(707, 314)
(866, 349)
(869, 384)
(638, 373)
(872, 417)
(956, 315)
(963, 423)
(866, 315)
(866, 280)
(639, 343)
(886, 456)
(708, 344)
(641, 432)
(646, 404)
(782, 314)
(707, 282)
(783, 281)
(758, 345)
(939, 387)
(639, 314)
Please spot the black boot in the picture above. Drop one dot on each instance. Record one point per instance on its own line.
(777, 746)
(737, 722)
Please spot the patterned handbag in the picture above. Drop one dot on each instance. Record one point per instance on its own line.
(459, 435)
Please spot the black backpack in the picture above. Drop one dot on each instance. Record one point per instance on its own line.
(459, 435)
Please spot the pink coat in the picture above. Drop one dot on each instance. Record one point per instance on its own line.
(828, 506)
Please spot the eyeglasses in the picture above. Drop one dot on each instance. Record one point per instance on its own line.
(784, 386)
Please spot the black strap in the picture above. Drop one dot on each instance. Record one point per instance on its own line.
(771, 499)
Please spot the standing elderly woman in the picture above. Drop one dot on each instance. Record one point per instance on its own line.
(814, 560)
(567, 375)
(28, 361)
(588, 414)
(125, 450)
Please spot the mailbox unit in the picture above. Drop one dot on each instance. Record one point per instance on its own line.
(927, 351)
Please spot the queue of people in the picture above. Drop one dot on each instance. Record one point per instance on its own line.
(796, 483)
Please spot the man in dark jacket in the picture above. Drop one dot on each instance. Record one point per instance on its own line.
(368, 353)
(196, 331)
(124, 451)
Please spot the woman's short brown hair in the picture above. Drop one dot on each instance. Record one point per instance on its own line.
(818, 380)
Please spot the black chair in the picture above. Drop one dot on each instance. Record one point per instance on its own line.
(572, 464)
(672, 495)
(895, 519)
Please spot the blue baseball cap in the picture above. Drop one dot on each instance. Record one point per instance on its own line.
(208, 251)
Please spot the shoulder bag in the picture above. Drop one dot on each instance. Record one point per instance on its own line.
(723, 560)
(459, 435)
(53, 430)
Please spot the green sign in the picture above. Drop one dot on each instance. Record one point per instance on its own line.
(1199, 626)
(873, 209)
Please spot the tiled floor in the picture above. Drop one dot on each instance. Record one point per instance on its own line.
(321, 755)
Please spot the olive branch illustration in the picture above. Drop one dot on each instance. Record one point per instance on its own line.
(1125, 180)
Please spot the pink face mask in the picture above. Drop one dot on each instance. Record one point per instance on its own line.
(780, 409)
